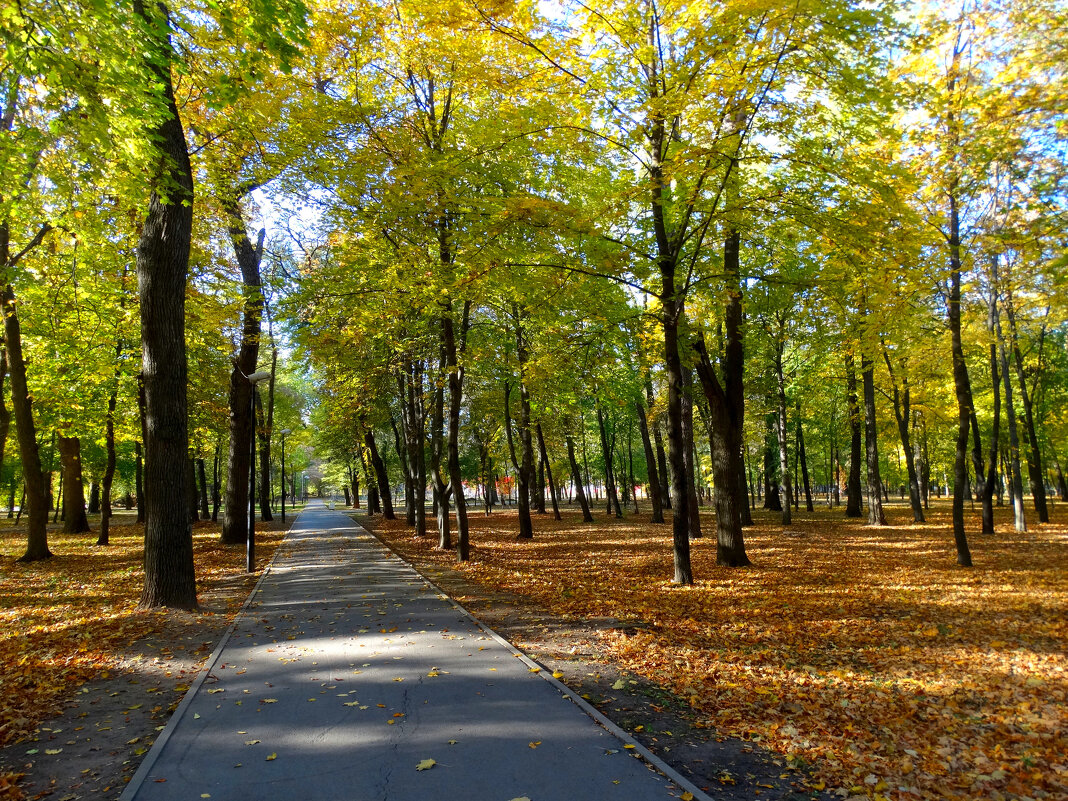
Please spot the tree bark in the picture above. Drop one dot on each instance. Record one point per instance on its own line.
(650, 463)
(694, 522)
(75, 520)
(995, 429)
(235, 508)
(521, 464)
(961, 384)
(804, 459)
(379, 467)
(162, 264)
(1033, 455)
(785, 488)
(730, 540)
(577, 481)
(903, 414)
(454, 348)
(1015, 479)
(265, 431)
(553, 495)
(876, 515)
(410, 384)
(611, 498)
(854, 504)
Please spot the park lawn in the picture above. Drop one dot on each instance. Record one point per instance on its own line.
(71, 618)
(865, 654)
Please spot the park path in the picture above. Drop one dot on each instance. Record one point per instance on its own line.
(347, 672)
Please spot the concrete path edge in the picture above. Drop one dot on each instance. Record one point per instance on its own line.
(157, 747)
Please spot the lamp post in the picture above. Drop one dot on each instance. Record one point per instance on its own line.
(250, 542)
(284, 432)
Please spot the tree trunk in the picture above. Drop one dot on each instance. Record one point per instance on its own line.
(235, 509)
(694, 522)
(661, 454)
(215, 487)
(854, 505)
(576, 480)
(730, 541)
(1033, 455)
(437, 447)
(74, 517)
(1062, 486)
(903, 414)
(611, 499)
(5, 413)
(400, 444)
(784, 452)
(995, 429)
(162, 263)
(876, 515)
(804, 460)
(414, 421)
(553, 494)
(191, 489)
(93, 507)
(22, 411)
(265, 431)
(1015, 479)
(526, 528)
(109, 467)
(961, 385)
(454, 348)
(772, 498)
(202, 481)
(650, 463)
(385, 495)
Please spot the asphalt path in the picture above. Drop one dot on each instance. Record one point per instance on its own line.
(349, 677)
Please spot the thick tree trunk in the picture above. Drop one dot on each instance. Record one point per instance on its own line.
(650, 463)
(577, 481)
(235, 509)
(730, 541)
(876, 515)
(162, 263)
(22, 408)
(854, 505)
(75, 520)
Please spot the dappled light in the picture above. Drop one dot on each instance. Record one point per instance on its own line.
(865, 653)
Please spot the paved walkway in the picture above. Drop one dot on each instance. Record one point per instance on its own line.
(347, 672)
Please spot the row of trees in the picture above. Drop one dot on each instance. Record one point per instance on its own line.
(626, 213)
(533, 226)
(111, 113)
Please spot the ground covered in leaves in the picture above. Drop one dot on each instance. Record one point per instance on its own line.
(864, 655)
(86, 678)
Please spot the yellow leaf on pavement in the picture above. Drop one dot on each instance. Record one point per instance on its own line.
(426, 764)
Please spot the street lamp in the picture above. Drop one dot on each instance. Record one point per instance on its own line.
(250, 542)
(284, 432)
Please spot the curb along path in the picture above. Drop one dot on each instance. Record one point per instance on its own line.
(348, 676)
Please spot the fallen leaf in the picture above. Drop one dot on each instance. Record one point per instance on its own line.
(426, 764)
(272, 756)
